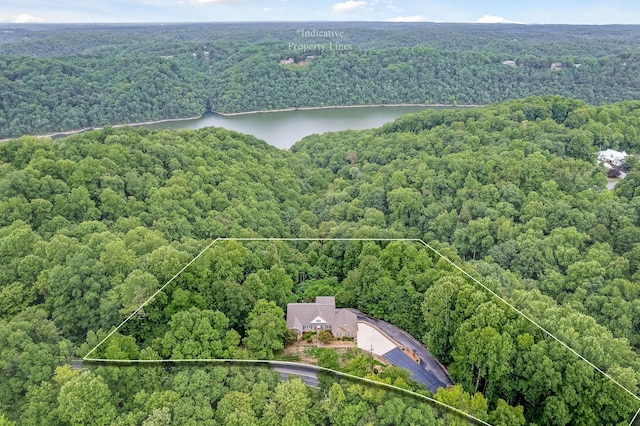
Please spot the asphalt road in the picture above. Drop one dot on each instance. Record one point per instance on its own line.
(306, 372)
(76, 364)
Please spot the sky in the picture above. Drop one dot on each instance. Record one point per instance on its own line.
(482, 11)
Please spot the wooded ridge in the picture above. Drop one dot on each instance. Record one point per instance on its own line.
(92, 224)
(56, 78)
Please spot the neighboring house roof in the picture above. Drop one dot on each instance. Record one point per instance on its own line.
(612, 156)
(322, 312)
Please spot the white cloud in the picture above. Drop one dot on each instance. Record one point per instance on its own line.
(25, 19)
(216, 1)
(490, 19)
(394, 8)
(348, 6)
(414, 18)
(268, 9)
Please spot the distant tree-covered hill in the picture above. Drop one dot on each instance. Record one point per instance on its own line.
(55, 78)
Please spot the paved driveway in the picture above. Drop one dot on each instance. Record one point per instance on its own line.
(369, 337)
(438, 376)
(419, 374)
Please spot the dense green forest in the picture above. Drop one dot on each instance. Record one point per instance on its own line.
(92, 224)
(55, 78)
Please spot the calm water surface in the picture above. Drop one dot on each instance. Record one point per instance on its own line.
(283, 129)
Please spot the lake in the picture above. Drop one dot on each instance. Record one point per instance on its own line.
(284, 128)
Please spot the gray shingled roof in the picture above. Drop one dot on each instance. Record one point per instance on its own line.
(324, 309)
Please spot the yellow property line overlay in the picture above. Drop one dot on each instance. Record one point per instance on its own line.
(417, 240)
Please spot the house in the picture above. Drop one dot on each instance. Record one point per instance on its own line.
(509, 63)
(612, 157)
(557, 66)
(322, 315)
(286, 61)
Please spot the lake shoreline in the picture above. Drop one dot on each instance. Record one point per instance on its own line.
(114, 126)
(232, 114)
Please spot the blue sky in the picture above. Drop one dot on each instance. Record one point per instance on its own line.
(529, 12)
